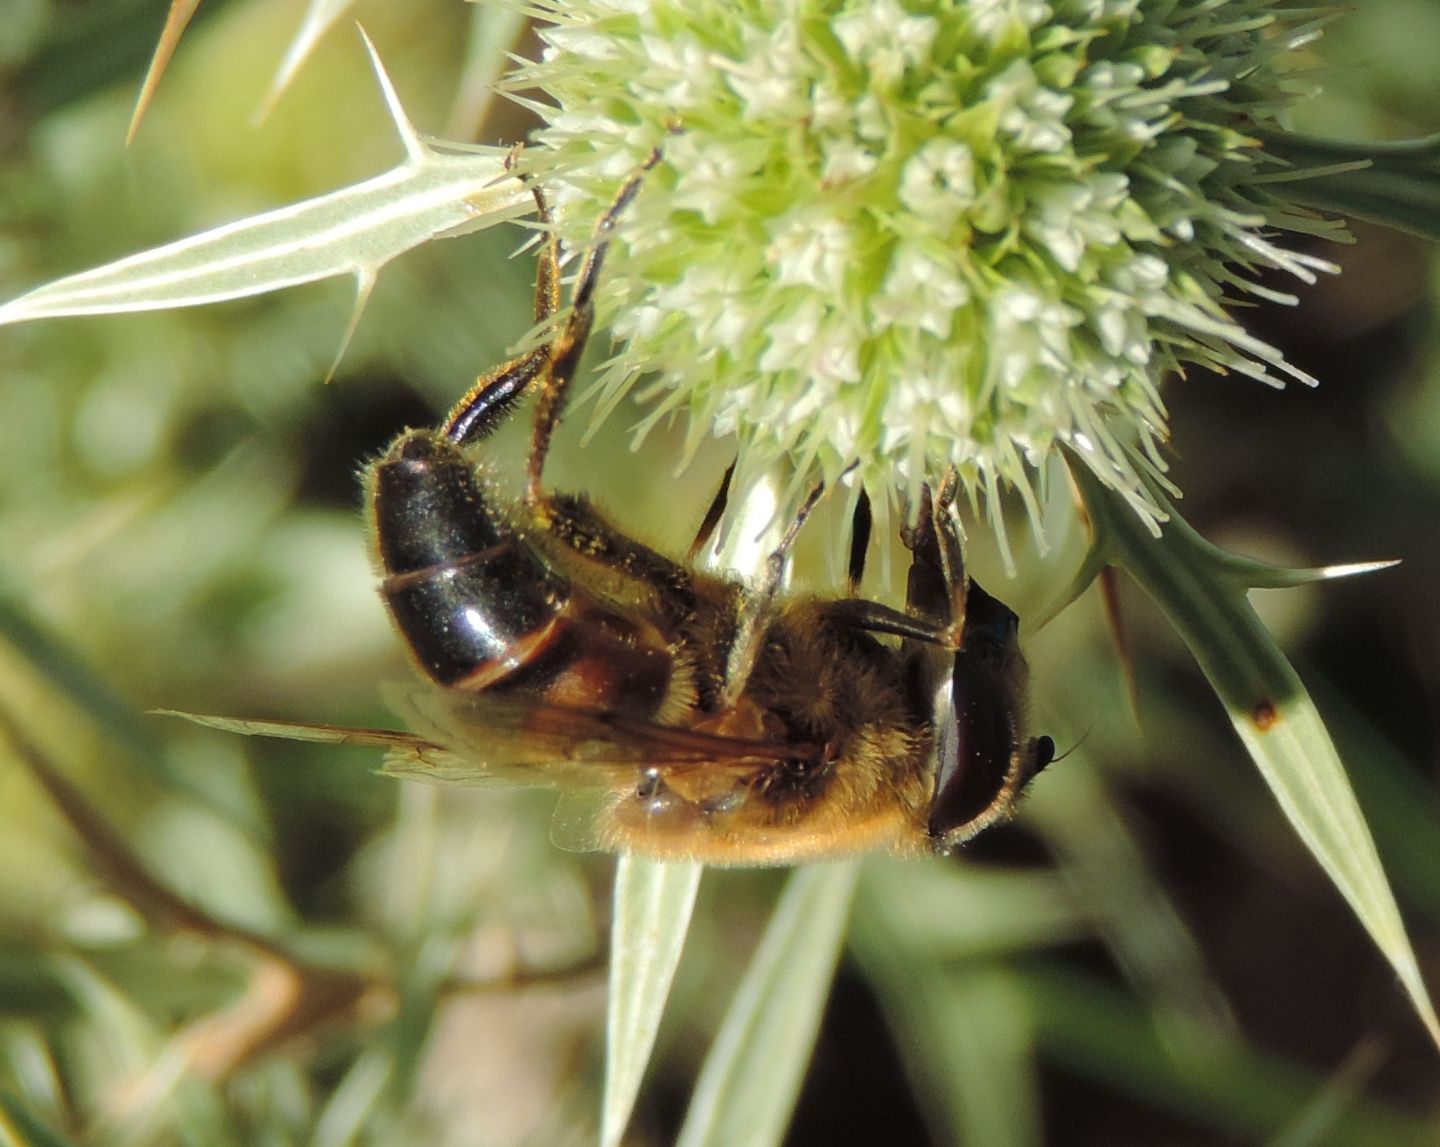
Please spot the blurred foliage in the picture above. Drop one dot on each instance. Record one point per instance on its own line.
(1148, 956)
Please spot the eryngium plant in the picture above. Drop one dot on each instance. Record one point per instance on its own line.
(926, 234)
(910, 237)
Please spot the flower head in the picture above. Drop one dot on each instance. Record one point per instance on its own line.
(920, 234)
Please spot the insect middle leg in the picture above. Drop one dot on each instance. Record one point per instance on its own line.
(755, 619)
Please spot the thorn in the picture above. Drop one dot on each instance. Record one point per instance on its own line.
(1354, 569)
(415, 148)
(364, 283)
(309, 34)
(175, 21)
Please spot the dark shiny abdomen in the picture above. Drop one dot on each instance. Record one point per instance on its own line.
(466, 594)
(482, 609)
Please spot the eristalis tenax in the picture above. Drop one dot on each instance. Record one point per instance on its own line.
(713, 720)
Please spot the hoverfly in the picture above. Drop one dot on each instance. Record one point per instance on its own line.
(717, 721)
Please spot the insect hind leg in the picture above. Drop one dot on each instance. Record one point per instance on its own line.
(565, 350)
(489, 401)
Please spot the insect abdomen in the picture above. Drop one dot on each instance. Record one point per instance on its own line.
(480, 608)
(471, 599)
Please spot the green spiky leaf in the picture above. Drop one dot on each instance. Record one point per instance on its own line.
(653, 902)
(751, 1078)
(1194, 583)
(354, 231)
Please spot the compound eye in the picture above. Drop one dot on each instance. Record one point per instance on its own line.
(974, 742)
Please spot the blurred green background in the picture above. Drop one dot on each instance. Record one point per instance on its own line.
(1148, 956)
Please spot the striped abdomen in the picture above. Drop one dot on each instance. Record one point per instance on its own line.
(481, 608)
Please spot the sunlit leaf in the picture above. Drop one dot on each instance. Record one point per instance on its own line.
(354, 1099)
(159, 1091)
(653, 902)
(747, 1089)
(1268, 705)
(1261, 575)
(29, 1062)
(353, 231)
(1400, 799)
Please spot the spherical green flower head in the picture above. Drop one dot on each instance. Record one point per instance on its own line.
(921, 234)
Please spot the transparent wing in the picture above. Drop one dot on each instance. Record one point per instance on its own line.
(405, 751)
(468, 738)
(557, 745)
(575, 824)
(594, 757)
